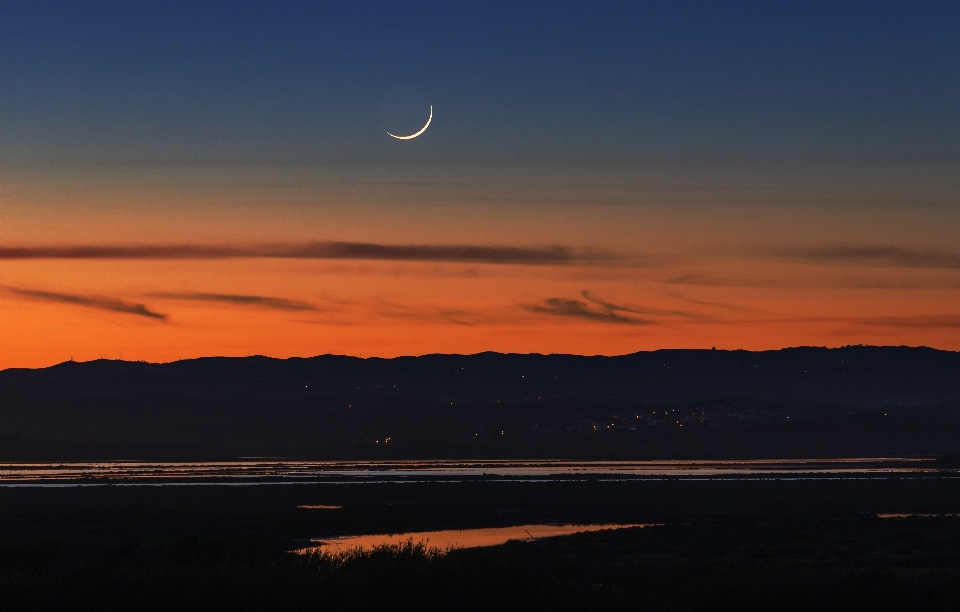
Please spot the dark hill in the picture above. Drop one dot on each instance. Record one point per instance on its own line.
(864, 376)
(864, 401)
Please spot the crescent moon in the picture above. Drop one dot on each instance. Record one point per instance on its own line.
(422, 130)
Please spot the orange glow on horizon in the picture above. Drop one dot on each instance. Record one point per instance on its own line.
(682, 274)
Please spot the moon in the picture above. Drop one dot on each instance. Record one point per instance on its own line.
(415, 134)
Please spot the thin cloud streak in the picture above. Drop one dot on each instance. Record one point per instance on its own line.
(638, 309)
(725, 305)
(919, 321)
(437, 313)
(881, 255)
(822, 282)
(552, 255)
(905, 321)
(707, 280)
(562, 307)
(241, 300)
(96, 302)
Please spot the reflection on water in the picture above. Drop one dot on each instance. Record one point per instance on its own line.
(454, 538)
(887, 515)
(266, 470)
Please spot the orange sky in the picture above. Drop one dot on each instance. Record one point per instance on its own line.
(678, 256)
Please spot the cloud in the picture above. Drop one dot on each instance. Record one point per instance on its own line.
(918, 321)
(638, 309)
(726, 305)
(242, 300)
(552, 255)
(597, 309)
(906, 321)
(881, 255)
(437, 313)
(857, 281)
(100, 303)
(561, 307)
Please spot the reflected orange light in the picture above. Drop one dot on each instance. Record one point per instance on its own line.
(456, 538)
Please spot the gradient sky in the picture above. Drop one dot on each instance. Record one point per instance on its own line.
(208, 178)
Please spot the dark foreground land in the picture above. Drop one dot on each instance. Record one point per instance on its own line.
(715, 543)
(718, 545)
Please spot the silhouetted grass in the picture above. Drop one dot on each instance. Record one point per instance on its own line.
(746, 564)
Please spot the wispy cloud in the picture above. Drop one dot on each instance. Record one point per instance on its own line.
(724, 305)
(901, 321)
(439, 313)
(941, 321)
(551, 255)
(856, 280)
(711, 280)
(879, 255)
(642, 310)
(917, 321)
(562, 307)
(87, 301)
(259, 301)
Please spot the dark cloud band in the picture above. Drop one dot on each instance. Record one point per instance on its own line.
(611, 307)
(562, 307)
(241, 300)
(555, 255)
(875, 255)
(99, 303)
(918, 321)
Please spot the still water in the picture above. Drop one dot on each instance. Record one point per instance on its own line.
(454, 538)
(283, 471)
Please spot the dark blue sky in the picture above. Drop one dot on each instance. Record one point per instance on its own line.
(291, 81)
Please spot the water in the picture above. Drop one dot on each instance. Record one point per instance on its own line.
(455, 538)
(282, 471)
(895, 515)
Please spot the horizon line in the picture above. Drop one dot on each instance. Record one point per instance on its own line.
(360, 357)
